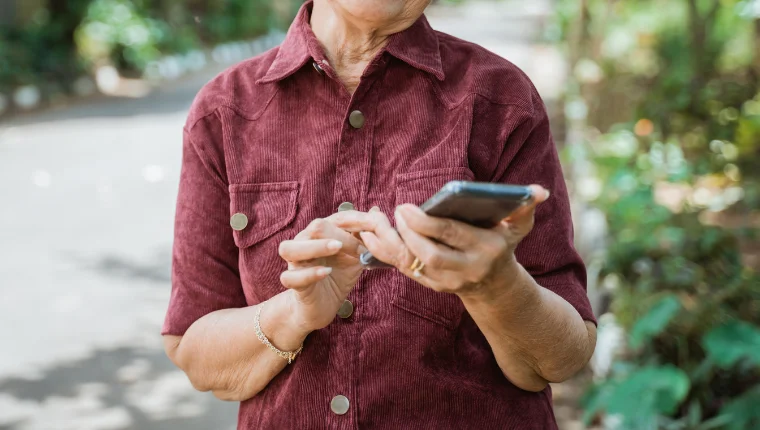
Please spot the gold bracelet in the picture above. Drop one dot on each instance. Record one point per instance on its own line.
(290, 356)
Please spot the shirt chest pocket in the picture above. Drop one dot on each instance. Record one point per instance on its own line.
(261, 216)
(409, 295)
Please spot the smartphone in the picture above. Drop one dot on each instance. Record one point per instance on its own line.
(481, 204)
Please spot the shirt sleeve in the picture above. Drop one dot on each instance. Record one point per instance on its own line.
(548, 252)
(205, 274)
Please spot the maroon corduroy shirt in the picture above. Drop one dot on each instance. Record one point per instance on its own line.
(272, 138)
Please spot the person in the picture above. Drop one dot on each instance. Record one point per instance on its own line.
(300, 159)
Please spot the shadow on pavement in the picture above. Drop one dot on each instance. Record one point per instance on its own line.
(143, 386)
(156, 269)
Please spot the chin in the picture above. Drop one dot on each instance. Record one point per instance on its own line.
(381, 11)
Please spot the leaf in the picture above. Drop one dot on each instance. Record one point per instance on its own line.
(702, 371)
(647, 393)
(594, 400)
(718, 422)
(655, 321)
(737, 340)
(694, 415)
(742, 412)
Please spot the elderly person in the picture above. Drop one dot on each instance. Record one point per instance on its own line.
(298, 160)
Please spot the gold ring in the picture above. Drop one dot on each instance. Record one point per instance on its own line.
(417, 267)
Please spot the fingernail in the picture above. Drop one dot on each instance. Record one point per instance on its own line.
(324, 271)
(334, 245)
(548, 193)
(375, 209)
(400, 218)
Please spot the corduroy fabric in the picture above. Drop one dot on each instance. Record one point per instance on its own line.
(270, 138)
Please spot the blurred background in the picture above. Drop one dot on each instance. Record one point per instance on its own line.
(655, 106)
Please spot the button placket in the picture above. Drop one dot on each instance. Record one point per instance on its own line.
(351, 181)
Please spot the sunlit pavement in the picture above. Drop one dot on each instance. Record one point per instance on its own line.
(85, 243)
(85, 251)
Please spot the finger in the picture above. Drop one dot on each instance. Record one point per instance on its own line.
(356, 233)
(448, 231)
(298, 279)
(443, 281)
(325, 229)
(372, 243)
(374, 221)
(395, 254)
(302, 250)
(472, 245)
(384, 241)
(434, 255)
(355, 221)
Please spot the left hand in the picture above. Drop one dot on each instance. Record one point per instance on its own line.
(458, 257)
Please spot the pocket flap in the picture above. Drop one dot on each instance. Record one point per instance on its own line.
(268, 208)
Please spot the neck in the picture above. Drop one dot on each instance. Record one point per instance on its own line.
(350, 45)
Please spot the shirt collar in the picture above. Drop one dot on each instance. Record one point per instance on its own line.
(418, 46)
(295, 50)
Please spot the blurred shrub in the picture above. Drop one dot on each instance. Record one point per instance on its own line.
(119, 32)
(238, 19)
(669, 90)
(42, 51)
(132, 33)
(69, 37)
(690, 307)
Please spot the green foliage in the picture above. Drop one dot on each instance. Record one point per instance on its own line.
(642, 395)
(224, 19)
(742, 412)
(41, 52)
(118, 31)
(728, 344)
(655, 320)
(132, 33)
(70, 37)
(673, 97)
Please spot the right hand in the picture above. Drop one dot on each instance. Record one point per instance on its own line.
(323, 267)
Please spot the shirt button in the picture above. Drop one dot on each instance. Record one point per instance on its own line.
(339, 405)
(346, 309)
(318, 68)
(346, 206)
(239, 222)
(356, 119)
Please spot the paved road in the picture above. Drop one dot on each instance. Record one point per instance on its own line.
(85, 236)
(85, 242)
